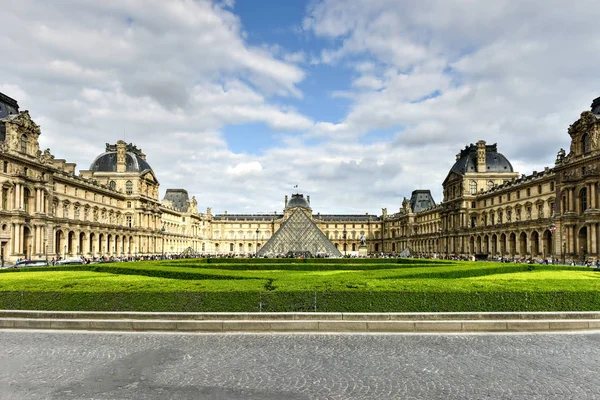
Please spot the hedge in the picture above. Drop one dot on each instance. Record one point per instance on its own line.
(303, 301)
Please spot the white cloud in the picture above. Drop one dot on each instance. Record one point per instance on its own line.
(428, 76)
(244, 169)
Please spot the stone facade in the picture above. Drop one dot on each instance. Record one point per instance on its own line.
(113, 208)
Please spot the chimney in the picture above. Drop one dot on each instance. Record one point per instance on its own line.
(308, 199)
(481, 165)
(121, 156)
(285, 204)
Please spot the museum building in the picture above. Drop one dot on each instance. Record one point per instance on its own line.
(113, 208)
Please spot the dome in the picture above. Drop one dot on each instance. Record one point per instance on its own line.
(297, 200)
(107, 161)
(467, 161)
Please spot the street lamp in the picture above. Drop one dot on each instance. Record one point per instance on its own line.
(163, 230)
(344, 235)
(440, 242)
(256, 245)
(552, 229)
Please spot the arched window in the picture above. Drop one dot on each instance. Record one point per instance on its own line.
(24, 143)
(583, 198)
(585, 143)
(473, 185)
(129, 187)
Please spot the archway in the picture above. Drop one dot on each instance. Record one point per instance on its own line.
(486, 245)
(548, 243)
(59, 239)
(92, 245)
(27, 242)
(71, 242)
(472, 245)
(535, 244)
(478, 247)
(512, 244)
(101, 245)
(582, 242)
(523, 244)
(503, 244)
(81, 246)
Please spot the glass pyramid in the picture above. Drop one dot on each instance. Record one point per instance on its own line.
(299, 236)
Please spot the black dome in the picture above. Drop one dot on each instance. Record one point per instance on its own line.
(107, 162)
(297, 200)
(494, 161)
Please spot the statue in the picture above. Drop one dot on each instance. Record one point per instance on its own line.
(560, 157)
(363, 239)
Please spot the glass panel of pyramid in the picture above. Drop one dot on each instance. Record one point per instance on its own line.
(299, 235)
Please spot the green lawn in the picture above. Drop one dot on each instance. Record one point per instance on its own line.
(302, 285)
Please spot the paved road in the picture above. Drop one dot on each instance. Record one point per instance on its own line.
(79, 365)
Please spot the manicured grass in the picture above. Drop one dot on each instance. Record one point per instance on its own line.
(359, 285)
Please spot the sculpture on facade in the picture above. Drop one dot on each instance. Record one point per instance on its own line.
(363, 239)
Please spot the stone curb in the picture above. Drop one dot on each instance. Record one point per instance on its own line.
(315, 326)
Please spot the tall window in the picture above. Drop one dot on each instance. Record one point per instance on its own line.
(24, 143)
(5, 199)
(128, 221)
(112, 185)
(585, 143)
(26, 198)
(129, 187)
(473, 186)
(583, 197)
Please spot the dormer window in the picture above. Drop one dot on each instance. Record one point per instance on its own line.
(24, 143)
(585, 143)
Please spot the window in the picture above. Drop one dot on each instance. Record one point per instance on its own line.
(585, 143)
(129, 187)
(5, 167)
(508, 196)
(492, 200)
(473, 204)
(128, 204)
(473, 187)
(552, 186)
(128, 221)
(583, 198)
(112, 185)
(5, 199)
(528, 192)
(24, 143)
(518, 194)
(539, 189)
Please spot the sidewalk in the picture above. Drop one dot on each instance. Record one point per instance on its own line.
(302, 322)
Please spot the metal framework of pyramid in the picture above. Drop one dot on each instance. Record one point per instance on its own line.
(299, 235)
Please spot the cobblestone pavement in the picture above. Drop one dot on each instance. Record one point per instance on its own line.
(86, 365)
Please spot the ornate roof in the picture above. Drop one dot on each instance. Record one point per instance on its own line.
(107, 161)
(467, 161)
(297, 200)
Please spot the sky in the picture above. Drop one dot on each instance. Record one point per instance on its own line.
(357, 102)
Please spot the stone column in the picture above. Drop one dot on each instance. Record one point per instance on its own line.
(17, 196)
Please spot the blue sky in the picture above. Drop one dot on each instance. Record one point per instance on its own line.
(357, 101)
